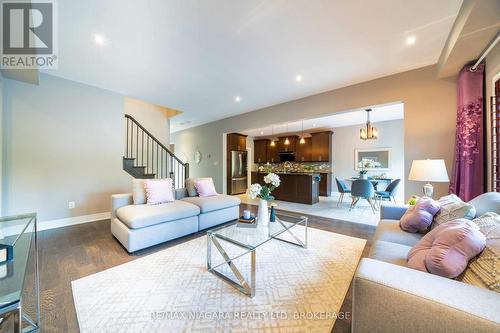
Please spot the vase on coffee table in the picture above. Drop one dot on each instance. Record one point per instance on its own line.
(263, 214)
(263, 192)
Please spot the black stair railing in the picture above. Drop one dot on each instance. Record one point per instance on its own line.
(150, 157)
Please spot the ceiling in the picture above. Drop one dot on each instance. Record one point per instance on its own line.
(197, 56)
(353, 117)
(476, 26)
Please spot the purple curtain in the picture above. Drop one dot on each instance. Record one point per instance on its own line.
(468, 170)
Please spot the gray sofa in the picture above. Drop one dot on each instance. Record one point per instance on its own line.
(390, 297)
(140, 226)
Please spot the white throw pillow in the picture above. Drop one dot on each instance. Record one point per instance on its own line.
(452, 208)
(190, 185)
(486, 203)
(138, 192)
(159, 191)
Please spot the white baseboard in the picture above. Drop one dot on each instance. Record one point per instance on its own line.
(53, 224)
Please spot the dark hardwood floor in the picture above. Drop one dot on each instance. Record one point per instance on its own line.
(69, 253)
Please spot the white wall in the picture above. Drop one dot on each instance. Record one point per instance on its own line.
(250, 148)
(153, 117)
(251, 166)
(63, 141)
(346, 140)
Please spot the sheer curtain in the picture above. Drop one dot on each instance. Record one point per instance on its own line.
(468, 169)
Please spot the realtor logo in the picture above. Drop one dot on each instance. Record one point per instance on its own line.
(28, 35)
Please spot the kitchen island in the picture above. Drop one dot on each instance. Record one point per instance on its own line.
(295, 187)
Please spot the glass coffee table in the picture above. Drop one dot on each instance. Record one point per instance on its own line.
(249, 239)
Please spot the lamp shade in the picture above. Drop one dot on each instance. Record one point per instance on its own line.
(428, 171)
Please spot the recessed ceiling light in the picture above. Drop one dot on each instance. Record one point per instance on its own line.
(237, 98)
(99, 39)
(298, 78)
(411, 40)
(261, 132)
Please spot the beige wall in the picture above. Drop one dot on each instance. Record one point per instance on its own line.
(153, 117)
(63, 141)
(429, 126)
(492, 74)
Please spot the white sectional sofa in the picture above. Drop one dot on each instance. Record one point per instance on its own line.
(140, 226)
(213, 209)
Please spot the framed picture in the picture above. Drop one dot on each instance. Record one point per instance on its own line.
(374, 159)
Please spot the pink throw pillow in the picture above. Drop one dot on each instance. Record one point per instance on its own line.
(447, 249)
(159, 191)
(205, 187)
(419, 217)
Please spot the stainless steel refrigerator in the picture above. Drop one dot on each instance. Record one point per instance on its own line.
(238, 172)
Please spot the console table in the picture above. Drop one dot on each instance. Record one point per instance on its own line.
(19, 274)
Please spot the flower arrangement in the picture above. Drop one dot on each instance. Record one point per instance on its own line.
(264, 192)
(366, 164)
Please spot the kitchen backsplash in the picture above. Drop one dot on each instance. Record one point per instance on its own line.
(294, 167)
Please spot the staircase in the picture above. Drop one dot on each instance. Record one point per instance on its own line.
(147, 158)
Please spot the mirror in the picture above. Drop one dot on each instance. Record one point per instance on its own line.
(372, 159)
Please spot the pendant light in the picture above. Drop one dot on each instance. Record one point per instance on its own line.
(370, 132)
(273, 143)
(302, 140)
(287, 142)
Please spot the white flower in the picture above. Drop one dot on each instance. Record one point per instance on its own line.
(255, 190)
(368, 164)
(272, 179)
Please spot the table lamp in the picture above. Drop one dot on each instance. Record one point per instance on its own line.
(428, 171)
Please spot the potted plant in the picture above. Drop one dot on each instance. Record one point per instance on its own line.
(263, 192)
(362, 174)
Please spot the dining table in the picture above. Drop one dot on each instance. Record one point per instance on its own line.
(375, 181)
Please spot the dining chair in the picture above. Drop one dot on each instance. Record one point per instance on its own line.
(343, 189)
(363, 189)
(390, 191)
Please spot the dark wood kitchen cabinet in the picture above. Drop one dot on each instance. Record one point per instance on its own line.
(295, 187)
(303, 151)
(325, 184)
(260, 151)
(272, 153)
(321, 146)
(290, 147)
(236, 141)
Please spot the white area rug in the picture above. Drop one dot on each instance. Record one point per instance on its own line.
(297, 290)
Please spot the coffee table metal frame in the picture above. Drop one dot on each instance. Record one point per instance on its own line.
(244, 286)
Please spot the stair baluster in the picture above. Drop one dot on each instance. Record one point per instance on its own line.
(146, 157)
